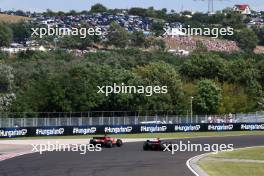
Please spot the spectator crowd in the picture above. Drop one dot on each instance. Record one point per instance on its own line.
(189, 43)
(102, 20)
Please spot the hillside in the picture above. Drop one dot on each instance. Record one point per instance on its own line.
(12, 18)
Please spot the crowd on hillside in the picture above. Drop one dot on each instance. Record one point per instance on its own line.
(133, 23)
(102, 20)
(190, 43)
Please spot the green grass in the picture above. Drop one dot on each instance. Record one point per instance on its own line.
(229, 168)
(155, 135)
(223, 168)
(256, 153)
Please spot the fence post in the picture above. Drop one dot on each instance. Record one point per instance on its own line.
(25, 122)
(35, 122)
(101, 120)
(9, 125)
(80, 121)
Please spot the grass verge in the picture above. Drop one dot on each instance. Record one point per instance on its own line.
(256, 153)
(239, 168)
(223, 168)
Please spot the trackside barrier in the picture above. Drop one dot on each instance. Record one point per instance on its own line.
(125, 129)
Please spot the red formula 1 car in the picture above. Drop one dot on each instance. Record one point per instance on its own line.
(155, 145)
(106, 141)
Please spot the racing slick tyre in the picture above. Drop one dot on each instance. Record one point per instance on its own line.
(92, 142)
(119, 143)
(162, 146)
(146, 146)
(109, 144)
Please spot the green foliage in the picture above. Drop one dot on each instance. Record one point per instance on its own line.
(208, 97)
(6, 78)
(59, 81)
(98, 8)
(149, 12)
(138, 39)
(243, 72)
(21, 31)
(5, 35)
(158, 28)
(3, 55)
(246, 39)
(204, 65)
(235, 99)
(75, 42)
(260, 34)
(117, 36)
(162, 74)
(260, 67)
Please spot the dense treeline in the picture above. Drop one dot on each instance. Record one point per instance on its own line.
(58, 81)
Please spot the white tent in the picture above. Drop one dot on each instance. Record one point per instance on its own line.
(41, 48)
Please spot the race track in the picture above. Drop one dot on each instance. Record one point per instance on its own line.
(129, 160)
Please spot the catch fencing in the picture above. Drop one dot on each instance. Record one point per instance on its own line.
(11, 120)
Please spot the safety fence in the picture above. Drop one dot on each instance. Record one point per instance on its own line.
(10, 120)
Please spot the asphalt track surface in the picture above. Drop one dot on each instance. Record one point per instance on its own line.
(129, 160)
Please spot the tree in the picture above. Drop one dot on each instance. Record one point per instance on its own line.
(260, 67)
(161, 74)
(158, 28)
(138, 39)
(6, 87)
(6, 78)
(72, 90)
(49, 12)
(260, 34)
(72, 13)
(204, 65)
(81, 41)
(208, 97)
(246, 39)
(243, 72)
(235, 99)
(5, 35)
(138, 11)
(98, 8)
(75, 42)
(21, 31)
(117, 36)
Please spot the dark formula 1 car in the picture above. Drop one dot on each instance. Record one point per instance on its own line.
(106, 141)
(155, 145)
